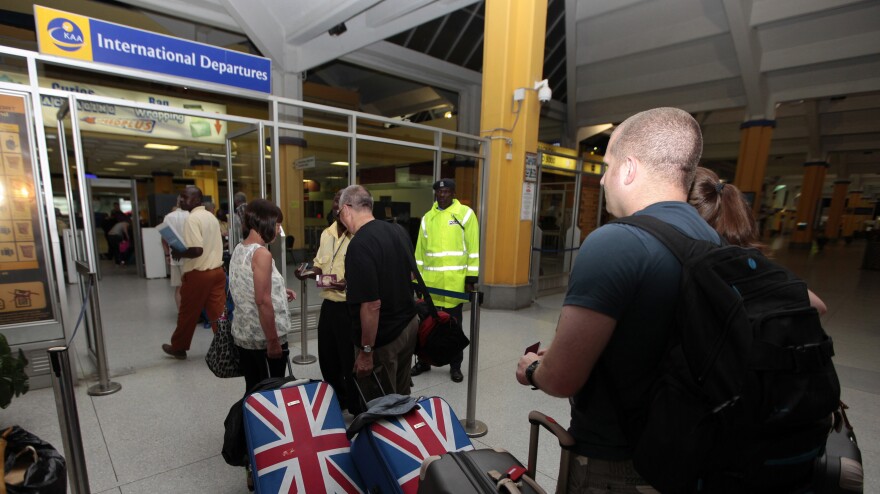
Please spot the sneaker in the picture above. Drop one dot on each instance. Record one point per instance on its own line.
(419, 368)
(456, 375)
(178, 354)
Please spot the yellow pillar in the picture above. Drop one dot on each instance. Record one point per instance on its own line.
(206, 178)
(291, 200)
(754, 147)
(838, 201)
(163, 182)
(513, 57)
(811, 193)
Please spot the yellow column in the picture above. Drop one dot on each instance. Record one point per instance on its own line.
(291, 200)
(811, 193)
(754, 147)
(206, 178)
(163, 182)
(838, 201)
(513, 57)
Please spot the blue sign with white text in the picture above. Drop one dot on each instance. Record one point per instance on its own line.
(74, 36)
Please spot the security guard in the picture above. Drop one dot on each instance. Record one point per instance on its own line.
(448, 257)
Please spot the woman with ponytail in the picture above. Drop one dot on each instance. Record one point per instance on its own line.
(723, 206)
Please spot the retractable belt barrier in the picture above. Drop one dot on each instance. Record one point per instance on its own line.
(472, 426)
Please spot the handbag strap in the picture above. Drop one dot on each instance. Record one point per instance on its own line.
(415, 269)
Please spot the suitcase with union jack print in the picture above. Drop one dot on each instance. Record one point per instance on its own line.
(389, 452)
(297, 443)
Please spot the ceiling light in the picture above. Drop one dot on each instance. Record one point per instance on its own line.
(334, 177)
(163, 147)
(125, 163)
(340, 163)
(240, 165)
(246, 176)
(112, 169)
(139, 156)
(214, 155)
(448, 114)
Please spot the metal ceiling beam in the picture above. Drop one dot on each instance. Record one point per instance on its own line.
(315, 20)
(208, 12)
(416, 66)
(748, 55)
(390, 10)
(261, 26)
(461, 32)
(324, 48)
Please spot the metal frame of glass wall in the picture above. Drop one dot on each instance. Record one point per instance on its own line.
(283, 121)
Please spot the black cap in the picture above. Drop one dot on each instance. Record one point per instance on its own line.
(444, 182)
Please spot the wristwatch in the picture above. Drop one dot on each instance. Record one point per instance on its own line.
(530, 373)
(367, 348)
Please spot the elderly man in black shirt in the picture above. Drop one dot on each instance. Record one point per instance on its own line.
(380, 291)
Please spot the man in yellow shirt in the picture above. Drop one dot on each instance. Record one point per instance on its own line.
(335, 350)
(203, 284)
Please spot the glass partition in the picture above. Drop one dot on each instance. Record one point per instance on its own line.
(400, 180)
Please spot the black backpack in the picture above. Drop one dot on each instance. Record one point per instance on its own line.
(744, 396)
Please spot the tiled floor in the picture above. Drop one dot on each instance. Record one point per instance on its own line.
(164, 430)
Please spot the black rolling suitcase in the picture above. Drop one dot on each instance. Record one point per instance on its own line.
(476, 471)
(489, 470)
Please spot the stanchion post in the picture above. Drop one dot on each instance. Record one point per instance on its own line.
(303, 358)
(68, 418)
(105, 386)
(472, 426)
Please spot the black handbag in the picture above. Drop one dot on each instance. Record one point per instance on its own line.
(222, 357)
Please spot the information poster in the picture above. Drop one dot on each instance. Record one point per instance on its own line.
(24, 288)
(528, 202)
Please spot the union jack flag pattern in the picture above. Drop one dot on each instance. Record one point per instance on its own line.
(395, 448)
(297, 444)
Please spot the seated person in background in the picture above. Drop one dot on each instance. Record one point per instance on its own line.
(723, 206)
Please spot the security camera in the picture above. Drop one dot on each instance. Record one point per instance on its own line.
(544, 92)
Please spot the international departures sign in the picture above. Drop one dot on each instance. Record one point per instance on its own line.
(75, 36)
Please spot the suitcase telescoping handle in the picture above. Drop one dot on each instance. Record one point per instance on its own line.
(357, 386)
(566, 442)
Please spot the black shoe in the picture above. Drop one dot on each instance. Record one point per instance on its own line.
(419, 368)
(456, 375)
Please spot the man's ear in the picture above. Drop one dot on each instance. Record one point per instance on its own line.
(630, 168)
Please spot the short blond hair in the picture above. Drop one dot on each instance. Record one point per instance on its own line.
(667, 140)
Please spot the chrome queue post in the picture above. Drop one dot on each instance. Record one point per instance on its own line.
(472, 426)
(68, 418)
(303, 358)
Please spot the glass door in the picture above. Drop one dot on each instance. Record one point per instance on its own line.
(244, 171)
(85, 249)
(556, 233)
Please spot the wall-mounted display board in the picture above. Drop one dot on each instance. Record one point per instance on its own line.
(24, 274)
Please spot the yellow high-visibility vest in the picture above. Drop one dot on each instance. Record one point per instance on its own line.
(448, 249)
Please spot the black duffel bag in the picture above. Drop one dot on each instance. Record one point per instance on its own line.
(31, 465)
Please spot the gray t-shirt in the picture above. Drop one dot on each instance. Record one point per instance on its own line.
(246, 329)
(626, 273)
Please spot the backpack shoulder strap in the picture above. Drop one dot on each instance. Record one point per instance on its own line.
(682, 246)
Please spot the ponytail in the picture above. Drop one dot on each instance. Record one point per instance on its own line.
(724, 207)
